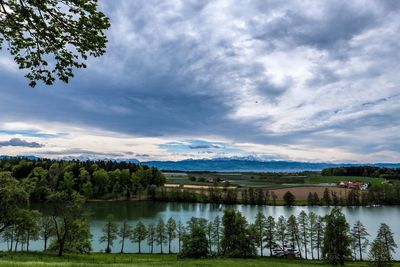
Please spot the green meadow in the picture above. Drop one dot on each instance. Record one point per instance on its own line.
(121, 260)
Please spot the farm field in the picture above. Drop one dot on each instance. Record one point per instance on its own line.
(265, 180)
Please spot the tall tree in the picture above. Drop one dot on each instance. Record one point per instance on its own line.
(161, 235)
(139, 234)
(385, 235)
(195, 243)
(260, 228)
(304, 229)
(217, 233)
(110, 233)
(378, 254)
(209, 233)
(180, 230)
(69, 220)
(171, 232)
(319, 235)
(32, 227)
(359, 234)
(281, 231)
(312, 231)
(293, 233)
(336, 239)
(270, 232)
(237, 240)
(289, 199)
(125, 231)
(151, 237)
(50, 38)
(47, 230)
(326, 198)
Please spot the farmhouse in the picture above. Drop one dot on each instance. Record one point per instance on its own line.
(354, 185)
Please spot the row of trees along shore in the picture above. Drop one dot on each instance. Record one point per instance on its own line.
(385, 194)
(307, 235)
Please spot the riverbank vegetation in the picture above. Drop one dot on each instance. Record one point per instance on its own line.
(306, 236)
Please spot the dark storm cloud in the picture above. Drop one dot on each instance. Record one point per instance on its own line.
(183, 70)
(19, 143)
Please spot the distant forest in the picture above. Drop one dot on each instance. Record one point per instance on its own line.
(92, 179)
(366, 171)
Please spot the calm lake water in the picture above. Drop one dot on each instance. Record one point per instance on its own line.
(149, 212)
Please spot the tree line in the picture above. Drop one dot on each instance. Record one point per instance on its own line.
(385, 194)
(365, 171)
(307, 236)
(92, 179)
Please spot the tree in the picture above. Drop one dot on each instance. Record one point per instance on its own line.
(13, 200)
(310, 199)
(293, 233)
(195, 243)
(312, 230)
(260, 227)
(110, 233)
(70, 227)
(209, 233)
(316, 199)
(151, 237)
(161, 235)
(180, 230)
(274, 198)
(359, 234)
(270, 232)
(318, 239)
(336, 239)
(139, 234)
(385, 235)
(378, 254)
(217, 232)
(326, 198)
(289, 199)
(237, 239)
(47, 230)
(304, 228)
(281, 231)
(32, 227)
(171, 232)
(50, 38)
(125, 231)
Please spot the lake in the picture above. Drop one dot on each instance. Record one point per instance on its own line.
(149, 212)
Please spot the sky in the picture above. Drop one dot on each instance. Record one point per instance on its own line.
(279, 80)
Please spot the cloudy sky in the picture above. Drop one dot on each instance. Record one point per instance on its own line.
(293, 80)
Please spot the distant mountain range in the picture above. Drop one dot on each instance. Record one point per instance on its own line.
(238, 164)
(246, 165)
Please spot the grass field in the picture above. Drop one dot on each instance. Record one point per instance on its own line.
(337, 179)
(266, 180)
(122, 260)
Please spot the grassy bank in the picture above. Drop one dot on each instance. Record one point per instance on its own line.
(97, 259)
